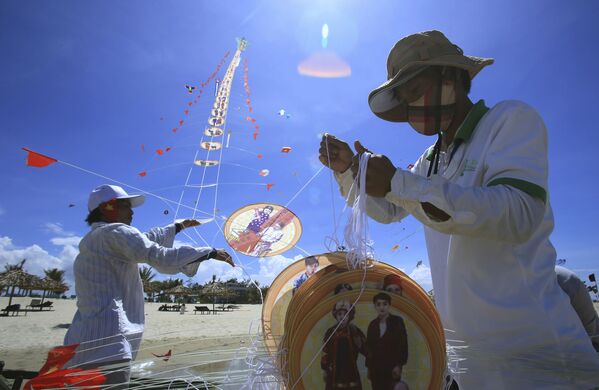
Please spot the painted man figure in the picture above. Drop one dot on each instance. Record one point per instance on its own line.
(386, 346)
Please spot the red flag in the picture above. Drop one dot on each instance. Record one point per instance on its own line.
(38, 160)
(255, 136)
(269, 186)
(259, 156)
(190, 104)
(167, 149)
(175, 129)
(181, 122)
(159, 152)
(143, 173)
(186, 112)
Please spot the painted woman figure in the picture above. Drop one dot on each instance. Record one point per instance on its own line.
(340, 353)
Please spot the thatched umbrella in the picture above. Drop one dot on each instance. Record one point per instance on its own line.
(178, 290)
(216, 290)
(17, 278)
(48, 284)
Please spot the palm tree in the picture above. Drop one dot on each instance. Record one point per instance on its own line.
(56, 275)
(12, 267)
(146, 275)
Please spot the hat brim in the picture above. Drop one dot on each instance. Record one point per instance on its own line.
(384, 105)
(136, 200)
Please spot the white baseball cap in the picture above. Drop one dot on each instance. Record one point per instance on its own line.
(107, 192)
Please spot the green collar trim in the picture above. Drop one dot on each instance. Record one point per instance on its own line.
(474, 116)
(467, 128)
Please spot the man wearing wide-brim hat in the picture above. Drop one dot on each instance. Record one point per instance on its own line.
(481, 193)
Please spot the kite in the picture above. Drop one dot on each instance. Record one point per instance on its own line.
(216, 121)
(269, 186)
(206, 163)
(211, 145)
(38, 160)
(175, 129)
(143, 173)
(395, 247)
(160, 152)
(190, 88)
(71, 205)
(264, 172)
(165, 356)
(262, 230)
(284, 113)
(165, 212)
(286, 149)
(259, 155)
(53, 375)
(561, 261)
(419, 263)
(181, 122)
(213, 132)
(186, 112)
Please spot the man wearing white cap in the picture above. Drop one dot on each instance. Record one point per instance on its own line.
(109, 321)
(481, 193)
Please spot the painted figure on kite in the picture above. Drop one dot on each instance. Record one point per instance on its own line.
(343, 341)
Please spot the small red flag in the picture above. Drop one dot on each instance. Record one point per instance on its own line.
(159, 152)
(186, 112)
(269, 186)
(175, 129)
(181, 122)
(190, 104)
(255, 136)
(259, 156)
(167, 149)
(35, 159)
(143, 173)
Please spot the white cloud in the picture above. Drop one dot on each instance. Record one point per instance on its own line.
(39, 259)
(422, 276)
(270, 267)
(56, 228)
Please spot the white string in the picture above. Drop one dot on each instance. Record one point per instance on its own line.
(357, 237)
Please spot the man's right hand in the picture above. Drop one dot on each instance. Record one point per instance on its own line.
(222, 255)
(339, 153)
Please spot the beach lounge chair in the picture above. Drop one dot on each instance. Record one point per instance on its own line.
(202, 309)
(34, 304)
(46, 305)
(14, 308)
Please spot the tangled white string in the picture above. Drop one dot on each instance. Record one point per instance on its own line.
(357, 235)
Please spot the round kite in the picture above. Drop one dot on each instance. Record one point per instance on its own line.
(206, 163)
(262, 230)
(211, 145)
(214, 132)
(216, 121)
(264, 172)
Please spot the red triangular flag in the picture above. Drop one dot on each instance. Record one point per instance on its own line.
(167, 149)
(259, 156)
(255, 136)
(181, 122)
(38, 160)
(269, 186)
(174, 129)
(186, 112)
(159, 152)
(143, 174)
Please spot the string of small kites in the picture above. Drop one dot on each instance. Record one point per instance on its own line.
(190, 89)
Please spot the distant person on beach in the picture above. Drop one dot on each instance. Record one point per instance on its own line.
(109, 321)
(481, 192)
(581, 302)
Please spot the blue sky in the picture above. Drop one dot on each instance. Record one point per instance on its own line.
(88, 83)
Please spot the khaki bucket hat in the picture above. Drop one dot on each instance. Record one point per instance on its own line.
(410, 56)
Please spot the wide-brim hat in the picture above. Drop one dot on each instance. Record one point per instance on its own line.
(410, 56)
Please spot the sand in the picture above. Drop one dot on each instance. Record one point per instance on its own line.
(26, 339)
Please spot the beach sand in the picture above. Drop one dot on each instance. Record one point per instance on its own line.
(203, 339)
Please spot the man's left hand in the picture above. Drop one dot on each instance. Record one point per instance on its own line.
(379, 173)
(187, 223)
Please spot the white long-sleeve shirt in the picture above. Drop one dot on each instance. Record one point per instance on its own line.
(492, 263)
(109, 321)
